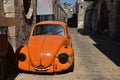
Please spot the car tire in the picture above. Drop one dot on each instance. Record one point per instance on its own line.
(71, 69)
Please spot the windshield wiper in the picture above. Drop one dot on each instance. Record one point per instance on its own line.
(46, 32)
(58, 32)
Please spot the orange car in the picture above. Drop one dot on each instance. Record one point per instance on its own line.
(49, 49)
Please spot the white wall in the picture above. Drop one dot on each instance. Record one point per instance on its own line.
(44, 7)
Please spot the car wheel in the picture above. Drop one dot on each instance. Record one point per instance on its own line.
(71, 69)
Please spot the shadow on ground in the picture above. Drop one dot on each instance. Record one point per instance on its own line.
(11, 65)
(105, 45)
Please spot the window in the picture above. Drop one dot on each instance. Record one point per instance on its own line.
(48, 29)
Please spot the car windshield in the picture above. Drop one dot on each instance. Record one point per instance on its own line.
(48, 29)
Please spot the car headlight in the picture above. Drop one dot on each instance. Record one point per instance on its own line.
(63, 58)
(21, 57)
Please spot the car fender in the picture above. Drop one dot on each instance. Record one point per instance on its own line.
(24, 65)
(61, 67)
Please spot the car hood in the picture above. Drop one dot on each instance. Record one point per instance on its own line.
(43, 49)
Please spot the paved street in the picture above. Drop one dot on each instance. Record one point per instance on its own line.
(95, 59)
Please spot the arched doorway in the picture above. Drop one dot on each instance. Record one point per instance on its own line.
(103, 23)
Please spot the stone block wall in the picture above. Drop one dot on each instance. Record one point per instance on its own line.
(105, 17)
(18, 35)
(111, 7)
(9, 11)
(81, 13)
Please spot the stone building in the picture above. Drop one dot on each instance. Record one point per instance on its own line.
(81, 7)
(88, 16)
(69, 9)
(105, 17)
(25, 10)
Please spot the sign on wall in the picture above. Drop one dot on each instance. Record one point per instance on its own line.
(44, 7)
(4, 21)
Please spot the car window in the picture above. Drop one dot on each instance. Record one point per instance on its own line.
(48, 29)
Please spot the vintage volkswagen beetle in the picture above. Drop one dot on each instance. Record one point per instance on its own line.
(49, 49)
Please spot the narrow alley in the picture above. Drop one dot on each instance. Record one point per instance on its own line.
(92, 60)
(94, 26)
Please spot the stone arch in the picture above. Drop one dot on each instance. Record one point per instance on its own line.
(103, 22)
(28, 8)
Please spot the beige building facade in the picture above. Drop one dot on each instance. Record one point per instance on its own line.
(81, 7)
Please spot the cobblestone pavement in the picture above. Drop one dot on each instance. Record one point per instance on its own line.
(91, 62)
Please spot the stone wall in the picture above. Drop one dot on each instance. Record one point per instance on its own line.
(27, 16)
(1, 8)
(25, 10)
(9, 9)
(81, 7)
(105, 17)
(110, 14)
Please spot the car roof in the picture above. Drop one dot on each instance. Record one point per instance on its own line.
(52, 22)
(64, 25)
